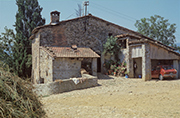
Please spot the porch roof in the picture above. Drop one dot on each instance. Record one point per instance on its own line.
(71, 52)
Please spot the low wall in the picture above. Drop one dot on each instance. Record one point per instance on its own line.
(65, 85)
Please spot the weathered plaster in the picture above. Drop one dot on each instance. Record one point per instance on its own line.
(176, 66)
(146, 62)
(46, 67)
(35, 59)
(64, 86)
(94, 66)
(65, 68)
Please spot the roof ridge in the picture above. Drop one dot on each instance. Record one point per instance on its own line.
(90, 15)
(64, 52)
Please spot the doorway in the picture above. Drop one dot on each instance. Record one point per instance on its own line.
(98, 64)
(138, 70)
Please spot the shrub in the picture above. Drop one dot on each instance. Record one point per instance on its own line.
(112, 47)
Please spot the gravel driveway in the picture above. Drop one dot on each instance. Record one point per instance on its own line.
(118, 97)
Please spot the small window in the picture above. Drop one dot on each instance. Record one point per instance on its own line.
(110, 34)
(122, 43)
(46, 73)
(42, 80)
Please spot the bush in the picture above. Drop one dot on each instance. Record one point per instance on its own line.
(17, 99)
(112, 47)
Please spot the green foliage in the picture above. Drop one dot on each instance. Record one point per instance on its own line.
(7, 41)
(17, 99)
(27, 18)
(158, 28)
(112, 47)
(126, 73)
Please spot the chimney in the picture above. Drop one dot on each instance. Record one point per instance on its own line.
(74, 47)
(55, 17)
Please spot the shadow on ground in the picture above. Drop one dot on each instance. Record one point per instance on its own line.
(102, 76)
(165, 79)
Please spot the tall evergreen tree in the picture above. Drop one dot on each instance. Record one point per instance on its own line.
(27, 18)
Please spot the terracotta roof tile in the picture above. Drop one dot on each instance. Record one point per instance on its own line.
(70, 52)
(128, 35)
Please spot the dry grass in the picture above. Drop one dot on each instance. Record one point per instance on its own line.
(17, 99)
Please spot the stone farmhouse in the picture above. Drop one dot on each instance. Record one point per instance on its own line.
(54, 48)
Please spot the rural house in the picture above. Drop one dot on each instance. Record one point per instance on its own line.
(91, 32)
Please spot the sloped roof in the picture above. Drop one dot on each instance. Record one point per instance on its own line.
(70, 52)
(155, 43)
(91, 16)
(144, 37)
(128, 35)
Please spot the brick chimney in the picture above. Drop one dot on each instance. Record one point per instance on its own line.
(55, 16)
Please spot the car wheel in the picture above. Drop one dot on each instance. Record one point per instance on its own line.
(160, 77)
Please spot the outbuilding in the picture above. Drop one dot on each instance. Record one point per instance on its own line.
(56, 63)
(146, 53)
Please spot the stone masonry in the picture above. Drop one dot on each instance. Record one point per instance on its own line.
(64, 68)
(92, 32)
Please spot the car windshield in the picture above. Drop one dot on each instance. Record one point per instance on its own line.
(167, 67)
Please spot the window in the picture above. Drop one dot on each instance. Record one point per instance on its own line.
(110, 34)
(122, 43)
(42, 80)
(46, 73)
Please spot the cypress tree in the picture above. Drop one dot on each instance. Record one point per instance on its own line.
(28, 17)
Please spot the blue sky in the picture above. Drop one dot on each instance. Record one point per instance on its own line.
(121, 12)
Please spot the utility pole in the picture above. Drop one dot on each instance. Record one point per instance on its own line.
(82, 9)
(86, 3)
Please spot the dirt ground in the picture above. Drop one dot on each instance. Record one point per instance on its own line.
(118, 97)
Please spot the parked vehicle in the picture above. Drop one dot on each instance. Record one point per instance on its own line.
(163, 71)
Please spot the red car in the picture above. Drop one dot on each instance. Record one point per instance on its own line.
(163, 71)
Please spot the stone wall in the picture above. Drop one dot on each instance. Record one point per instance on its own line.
(64, 86)
(123, 55)
(84, 32)
(146, 62)
(176, 66)
(65, 68)
(35, 59)
(129, 61)
(46, 67)
(87, 31)
(94, 66)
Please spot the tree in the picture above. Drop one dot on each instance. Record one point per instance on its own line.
(158, 28)
(27, 18)
(7, 48)
(112, 47)
(79, 11)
